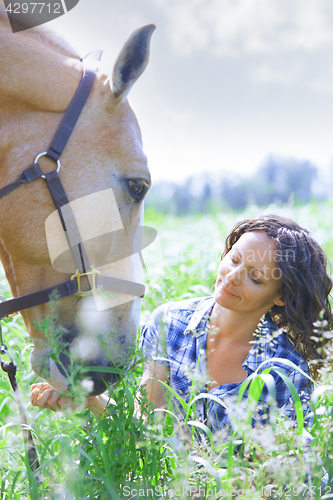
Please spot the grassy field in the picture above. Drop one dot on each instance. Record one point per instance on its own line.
(120, 456)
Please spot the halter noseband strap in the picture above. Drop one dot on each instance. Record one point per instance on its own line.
(73, 286)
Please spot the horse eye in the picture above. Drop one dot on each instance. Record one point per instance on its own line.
(137, 189)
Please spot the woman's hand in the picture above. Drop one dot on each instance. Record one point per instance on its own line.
(44, 396)
(98, 404)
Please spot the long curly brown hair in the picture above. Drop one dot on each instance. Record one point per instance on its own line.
(305, 286)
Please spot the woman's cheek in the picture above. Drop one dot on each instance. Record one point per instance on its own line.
(252, 289)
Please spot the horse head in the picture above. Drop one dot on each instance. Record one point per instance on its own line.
(105, 176)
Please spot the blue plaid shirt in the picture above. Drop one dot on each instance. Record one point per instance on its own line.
(176, 335)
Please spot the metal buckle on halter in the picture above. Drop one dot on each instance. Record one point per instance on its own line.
(78, 276)
(44, 154)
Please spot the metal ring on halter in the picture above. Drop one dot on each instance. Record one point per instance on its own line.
(44, 154)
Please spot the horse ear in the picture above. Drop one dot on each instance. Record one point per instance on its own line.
(132, 61)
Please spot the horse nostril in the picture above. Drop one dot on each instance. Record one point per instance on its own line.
(101, 381)
(77, 373)
(86, 363)
(63, 363)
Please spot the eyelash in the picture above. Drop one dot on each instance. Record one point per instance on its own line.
(257, 282)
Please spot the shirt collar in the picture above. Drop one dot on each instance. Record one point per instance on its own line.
(265, 345)
(199, 318)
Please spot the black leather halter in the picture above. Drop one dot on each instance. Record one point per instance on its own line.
(73, 286)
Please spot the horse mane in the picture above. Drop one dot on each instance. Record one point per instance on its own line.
(45, 36)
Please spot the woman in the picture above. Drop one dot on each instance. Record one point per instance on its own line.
(272, 275)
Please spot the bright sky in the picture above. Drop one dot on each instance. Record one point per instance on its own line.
(229, 81)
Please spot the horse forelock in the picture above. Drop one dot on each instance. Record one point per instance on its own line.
(43, 35)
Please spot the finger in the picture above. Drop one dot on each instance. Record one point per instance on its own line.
(38, 385)
(42, 401)
(67, 402)
(41, 386)
(64, 402)
(36, 393)
(53, 401)
(34, 396)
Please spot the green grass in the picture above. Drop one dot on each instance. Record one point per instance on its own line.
(119, 455)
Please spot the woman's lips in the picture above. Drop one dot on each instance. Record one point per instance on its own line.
(227, 292)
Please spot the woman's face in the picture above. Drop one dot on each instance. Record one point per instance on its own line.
(248, 278)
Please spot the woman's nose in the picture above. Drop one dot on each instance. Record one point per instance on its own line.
(234, 276)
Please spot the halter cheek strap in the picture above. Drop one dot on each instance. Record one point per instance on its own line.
(70, 227)
(71, 116)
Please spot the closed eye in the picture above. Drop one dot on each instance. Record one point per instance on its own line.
(255, 280)
(137, 188)
(233, 259)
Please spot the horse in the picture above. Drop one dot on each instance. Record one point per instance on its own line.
(39, 74)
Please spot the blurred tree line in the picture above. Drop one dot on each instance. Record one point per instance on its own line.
(275, 182)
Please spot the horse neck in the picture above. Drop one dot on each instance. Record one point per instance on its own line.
(34, 72)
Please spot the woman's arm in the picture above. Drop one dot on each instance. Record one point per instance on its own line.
(153, 374)
(44, 396)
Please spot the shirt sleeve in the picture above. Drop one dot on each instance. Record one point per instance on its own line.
(153, 337)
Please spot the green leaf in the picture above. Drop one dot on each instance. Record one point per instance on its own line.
(174, 393)
(296, 399)
(287, 362)
(130, 400)
(257, 385)
(318, 392)
(102, 369)
(204, 395)
(200, 425)
(209, 467)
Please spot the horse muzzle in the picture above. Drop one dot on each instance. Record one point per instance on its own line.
(78, 360)
(94, 376)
